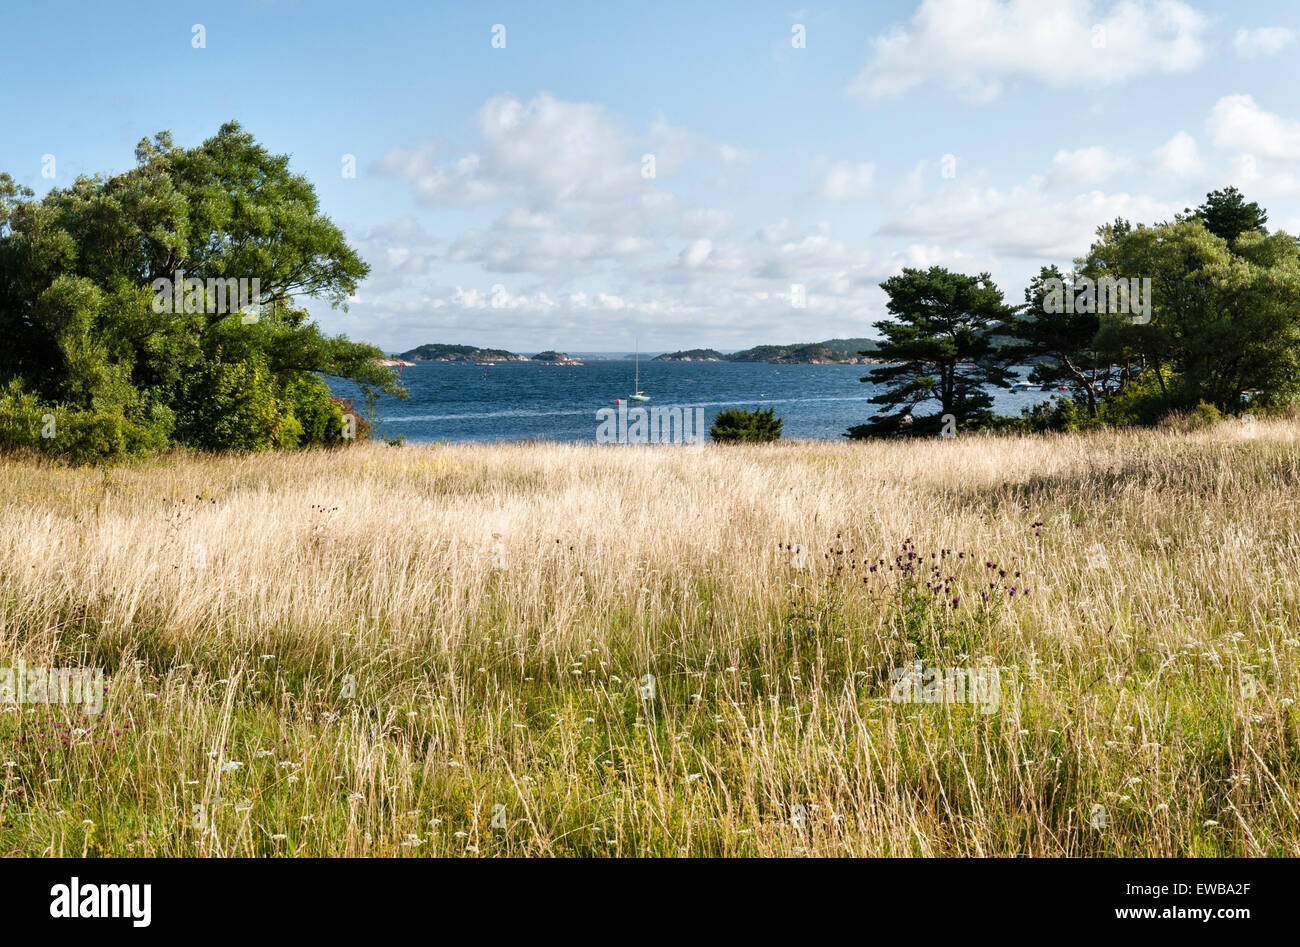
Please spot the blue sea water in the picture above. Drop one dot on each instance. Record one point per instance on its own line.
(461, 401)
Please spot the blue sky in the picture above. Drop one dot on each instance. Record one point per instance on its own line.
(501, 195)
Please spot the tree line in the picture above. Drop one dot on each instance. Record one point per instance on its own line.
(1199, 314)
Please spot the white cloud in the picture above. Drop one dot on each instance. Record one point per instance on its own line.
(1178, 156)
(1237, 122)
(1085, 166)
(1023, 221)
(972, 46)
(1264, 41)
(843, 180)
(531, 250)
(696, 253)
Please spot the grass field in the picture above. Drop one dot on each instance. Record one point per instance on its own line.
(576, 650)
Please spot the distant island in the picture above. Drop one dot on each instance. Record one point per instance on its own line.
(555, 358)
(436, 352)
(692, 355)
(830, 352)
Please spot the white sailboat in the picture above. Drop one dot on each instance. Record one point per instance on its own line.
(637, 393)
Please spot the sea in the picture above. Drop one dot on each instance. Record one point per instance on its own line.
(513, 401)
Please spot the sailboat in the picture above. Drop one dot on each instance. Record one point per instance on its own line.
(638, 394)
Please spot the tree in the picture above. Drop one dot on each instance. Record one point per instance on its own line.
(736, 425)
(1226, 214)
(1223, 319)
(940, 348)
(1063, 341)
(89, 327)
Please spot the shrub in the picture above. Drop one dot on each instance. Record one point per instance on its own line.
(230, 406)
(317, 412)
(21, 417)
(736, 425)
(1059, 414)
(1141, 401)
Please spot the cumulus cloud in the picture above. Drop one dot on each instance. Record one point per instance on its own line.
(1085, 166)
(1024, 221)
(554, 153)
(1237, 122)
(973, 46)
(1264, 41)
(1178, 156)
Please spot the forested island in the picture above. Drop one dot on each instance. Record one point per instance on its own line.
(830, 352)
(437, 352)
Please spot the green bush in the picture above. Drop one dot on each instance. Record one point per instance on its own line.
(21, 417)
(1059, 414)
(736, 425)
(1203, 415)
(320, 414)
(228, 406)
(1142, 401)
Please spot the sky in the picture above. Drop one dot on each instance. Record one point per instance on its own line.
(594, 176)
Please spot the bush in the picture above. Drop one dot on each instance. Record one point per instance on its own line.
(1059, 414)
(1142, 401)
(736, 425)
(231, 406)
(22, 417)
(318, 414)
(1202, 416)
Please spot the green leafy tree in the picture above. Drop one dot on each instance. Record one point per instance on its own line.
(940, 348)
(80, 277)
(1224, 320)
(735, 425)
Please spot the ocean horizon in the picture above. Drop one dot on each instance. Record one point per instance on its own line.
(517, 401)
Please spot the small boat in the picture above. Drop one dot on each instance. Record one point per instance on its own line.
(638, 394)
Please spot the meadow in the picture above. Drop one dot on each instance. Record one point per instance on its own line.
(575, 650)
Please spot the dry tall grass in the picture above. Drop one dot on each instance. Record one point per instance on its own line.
(445, 650)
